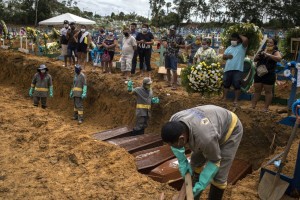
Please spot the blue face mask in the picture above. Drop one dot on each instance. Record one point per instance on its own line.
(77, 71)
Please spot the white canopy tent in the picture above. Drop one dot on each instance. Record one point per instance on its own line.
(59, 20)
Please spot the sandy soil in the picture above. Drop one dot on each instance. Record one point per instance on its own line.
(46, 155)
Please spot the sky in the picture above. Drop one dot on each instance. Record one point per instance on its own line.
(106, 7)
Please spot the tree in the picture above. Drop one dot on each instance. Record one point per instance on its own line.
(113, 15)
(156, 6)
(168, 5)
(184, 7)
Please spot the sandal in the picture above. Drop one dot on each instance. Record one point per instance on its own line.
(174, 88)
(266, 110)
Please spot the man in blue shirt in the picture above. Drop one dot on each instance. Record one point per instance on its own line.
(234, 56)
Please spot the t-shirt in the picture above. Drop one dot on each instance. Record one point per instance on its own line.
(147, 38)
(237, 62)
(205, 54)
(63, 33)
(134, 34)
(128, 44)
(172, 40)
(108, 42)
(70, 35)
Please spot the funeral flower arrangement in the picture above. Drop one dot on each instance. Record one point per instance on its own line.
(250, 30)
(204, 77)
(285, 46)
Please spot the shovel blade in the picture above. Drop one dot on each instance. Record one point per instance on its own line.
(271, 187)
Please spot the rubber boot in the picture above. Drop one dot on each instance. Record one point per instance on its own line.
(215, 193)
(75, 116)
(80, 119)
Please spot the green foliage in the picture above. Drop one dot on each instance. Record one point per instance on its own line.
(252, 32)
(286, 43)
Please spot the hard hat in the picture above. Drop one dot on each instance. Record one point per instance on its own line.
(43, 67)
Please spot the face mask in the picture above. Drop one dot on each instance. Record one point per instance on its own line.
(233, 43)
(144, 30)
(77, 71)
(82, 30)
(126, 34)
(43, 71)
(197, 42)
(205, 46)
(66, 26)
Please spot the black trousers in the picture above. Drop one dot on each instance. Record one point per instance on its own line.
(145, 57)
(43, 100)
(134, 61)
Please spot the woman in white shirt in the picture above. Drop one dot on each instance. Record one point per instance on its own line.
(205, 52)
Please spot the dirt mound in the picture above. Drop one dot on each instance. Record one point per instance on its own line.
(47, 156)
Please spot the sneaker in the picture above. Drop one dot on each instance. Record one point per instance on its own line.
(79, 121)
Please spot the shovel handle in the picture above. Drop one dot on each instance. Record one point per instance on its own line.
(289, 144)
(188, 187)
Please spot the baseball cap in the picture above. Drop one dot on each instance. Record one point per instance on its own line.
(66, 22)
(147, 81)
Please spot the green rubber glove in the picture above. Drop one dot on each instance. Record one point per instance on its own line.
(51, 91)
(130, 86)
(83, 96)
(207, 174)
(155, 100)
(71, 93)
(184, 166)
(31, 91)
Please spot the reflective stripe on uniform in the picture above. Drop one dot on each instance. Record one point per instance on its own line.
(32, 85)
(80, 112)
(143, 106)
(75, 109)
(77, 89)
(41, 89)
(222, 186)
(234, 119)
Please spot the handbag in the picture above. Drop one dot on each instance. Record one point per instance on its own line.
(105, 57)
(261, 70)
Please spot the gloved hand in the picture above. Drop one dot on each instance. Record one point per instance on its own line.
(83, 96)
(184, 166)
(207, 174)
(155, 100)
(51, 91)
(31, 91)
(71, 93)
(130, 86)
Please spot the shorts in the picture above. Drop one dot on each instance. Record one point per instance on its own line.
(234, 78)
(64, 50)
(72, 49)
(126, 62)
(82, 48)
(267, 79)
(171, 62)
(111, 54)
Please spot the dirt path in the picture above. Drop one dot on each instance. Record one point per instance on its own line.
(46, 156)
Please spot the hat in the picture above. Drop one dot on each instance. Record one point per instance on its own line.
(43, 67)
(66, 22)
(72, 23)
(147, 81)
(77, 66)
(173, 27)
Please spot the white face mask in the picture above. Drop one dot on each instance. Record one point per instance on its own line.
(233, 43)
(43, 71)
(144, 30)
(82, 30)
(66, 25)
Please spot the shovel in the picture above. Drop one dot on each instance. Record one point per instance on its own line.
(271, 187)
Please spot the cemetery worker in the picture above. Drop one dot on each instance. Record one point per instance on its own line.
(145, 42)
(213, 134)
(78, 93)
(72, 43)
(41, 86)
(128, 47)
(83, 39)
(205, 52)
(268, 56)
(64, 41)
(144, 96)
(172, 43)
(194, 46)
(234, 56)
(134, 33)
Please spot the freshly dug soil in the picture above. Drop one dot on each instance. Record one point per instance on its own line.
(46, 155)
